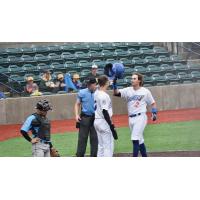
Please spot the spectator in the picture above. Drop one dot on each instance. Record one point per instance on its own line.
(30, 87)
(60, 82)
(46, 84)
(76, 82)
(2, 95)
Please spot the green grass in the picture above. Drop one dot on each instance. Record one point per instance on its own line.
(160, 137)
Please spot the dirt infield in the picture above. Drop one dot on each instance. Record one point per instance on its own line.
(10, 131)
(165, 154)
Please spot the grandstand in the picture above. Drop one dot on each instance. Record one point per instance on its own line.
(159, 63)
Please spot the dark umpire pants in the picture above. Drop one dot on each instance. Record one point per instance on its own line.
(86, 129)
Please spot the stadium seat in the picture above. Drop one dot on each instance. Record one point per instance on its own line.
(95, 55)
(148, 80)
(3, 53)
(147, 52)
(17, 82)
(28, 51)
(72, 72)
(58, 66)
(69, 65)
(106, 46)
(119, 53)
(68, 56)
(43, 66)
(44, 50)
(156, 78)
(85, 72)
(128, 71)
(3, 61)
(81, 47)
(81, 55)
(67, 48)
(145, 45)
(54, 48)
(126, 62)
(169, 77)
(138, 61)
(195, 75)
(161, 51)
(14, 51)
(84, 64)
(30, 68)
(133, 45)
(120, 45)
(4, 70)
(154, 69)
(36, 78)
(13, 59)
(100, 71)
(14, 69)
(165, 60)
(183, 76)
(111, 60)
(99, 63)
(41, 58)
(140, 69)
(127, 80)
(94, 46)
(27, 59)
(180, 67)
(194, 66)
(134, 53)
(167, 68)
(107, 54)
(151, 60)
(55, 57)
(178, 59)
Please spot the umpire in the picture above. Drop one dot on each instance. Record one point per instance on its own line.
(39, 124)
(85, 102)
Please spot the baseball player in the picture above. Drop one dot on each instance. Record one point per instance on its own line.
(137, 98)
(39, 124)
(103, 123)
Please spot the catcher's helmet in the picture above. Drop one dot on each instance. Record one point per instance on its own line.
(43, 105)
(118, 69)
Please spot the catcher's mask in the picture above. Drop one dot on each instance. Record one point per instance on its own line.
(43, 105)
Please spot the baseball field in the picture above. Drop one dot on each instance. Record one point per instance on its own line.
(175, 134)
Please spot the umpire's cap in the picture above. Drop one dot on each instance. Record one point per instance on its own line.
(43, 105)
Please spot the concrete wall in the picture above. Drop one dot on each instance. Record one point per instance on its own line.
(15, 110)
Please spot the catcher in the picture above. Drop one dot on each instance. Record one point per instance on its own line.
(40, 126)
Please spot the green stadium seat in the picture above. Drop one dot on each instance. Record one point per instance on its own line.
(27, 59)
(13, 59)
(16, 81)
(55, 57)
(147, 52)
(163, 59)
(58, 66)
(99, 63)
(134, 53)
(194, 66)
(145, 45)
(106, 46)
(44, 50)
(167, 68)
(43, 66)
(94, 46)
(85, 72)
(81, 55)
(4, 70)
(69, 65)
(183, 76)
(107, 54)
(81, 47)
(3, 53)
(84, 64)
(180, 67)
(138, 61)
(54, 48)
(120, 45)
(178, 59)
(151, 60)
(140, 69)
(148, 80)
(68, 56)
(14, 51)
(28, 51)
(41, 58)
(111, 60)
(3, 61)
(127, 80)
(133, 45)
(30, 68)
(171, 78)
(129, 71)
(120, 53)
(195, 75)
(95, 55)
(14, 69)
(67, 48)
(157, 78)
(161, 51)
(100, 71)
(72, 72)
(126, 62)
(36, 78)
(154, 69)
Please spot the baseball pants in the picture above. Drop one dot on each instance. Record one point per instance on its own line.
(105, 138)
(137, 125)
(40, 150)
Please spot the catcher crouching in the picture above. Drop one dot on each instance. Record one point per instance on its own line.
(40, 127)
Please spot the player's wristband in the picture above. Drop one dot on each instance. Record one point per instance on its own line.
(154, 110)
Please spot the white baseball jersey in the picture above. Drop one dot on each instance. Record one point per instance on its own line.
(137, 100)
(102, 101)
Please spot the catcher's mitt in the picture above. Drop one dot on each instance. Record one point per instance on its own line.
(54, 153)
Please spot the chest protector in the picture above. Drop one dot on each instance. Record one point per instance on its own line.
(44, 127)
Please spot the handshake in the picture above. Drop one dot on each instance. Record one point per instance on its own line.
(114, 132)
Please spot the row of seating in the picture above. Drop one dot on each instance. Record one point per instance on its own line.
(103, 55)
(73, 47)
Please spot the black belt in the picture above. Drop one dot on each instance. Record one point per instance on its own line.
(84, 115)
(135, 115)
(44, 141)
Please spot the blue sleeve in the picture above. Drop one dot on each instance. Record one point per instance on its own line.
(80, 96)
(27, 124)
